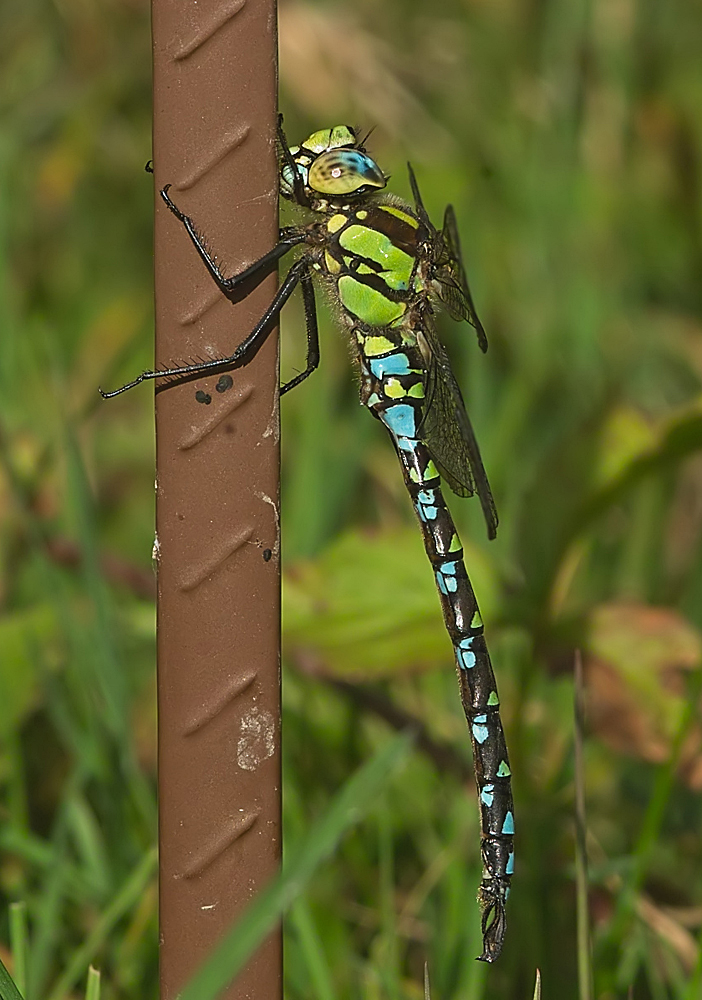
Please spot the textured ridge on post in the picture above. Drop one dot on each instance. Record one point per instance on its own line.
(217, 489)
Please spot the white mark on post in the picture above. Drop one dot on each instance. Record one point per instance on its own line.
(276, 513)
(257, 740)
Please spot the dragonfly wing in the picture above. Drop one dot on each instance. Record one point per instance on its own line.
(454, 290)
(422, 213)
(448, 434)
(450, 274)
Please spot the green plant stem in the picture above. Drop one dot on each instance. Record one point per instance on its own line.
(581, 876)
(19, 944)
(313, 952)
(92, 990)
(8, 989)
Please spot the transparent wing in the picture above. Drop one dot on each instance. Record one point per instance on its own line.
(450, 274)
(447, 432)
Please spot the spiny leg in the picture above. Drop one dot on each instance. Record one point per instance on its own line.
(244, 353)
(239, 285)
(312, 332)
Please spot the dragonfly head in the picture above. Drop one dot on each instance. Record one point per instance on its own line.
(331, 164)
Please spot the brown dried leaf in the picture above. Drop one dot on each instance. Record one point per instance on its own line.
(638, 656)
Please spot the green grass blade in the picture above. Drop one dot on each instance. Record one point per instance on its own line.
(694, 986)
(8, 989)
(357, 795)
(585, 984)
(19, 943)
(537, 985)
(311, 945)
(125, 898)
(92, 991)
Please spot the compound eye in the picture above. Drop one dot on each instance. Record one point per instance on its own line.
(287, 178)
(344, 171)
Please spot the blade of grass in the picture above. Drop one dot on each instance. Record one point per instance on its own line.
(19, 943)
(8, 990)
(537, 985)
(48, 907)
(581, 877)
(357, 795)
(125, 898)
(388, 950)
(92, 991)
(694, 986)
(105, 661)
(312, 951)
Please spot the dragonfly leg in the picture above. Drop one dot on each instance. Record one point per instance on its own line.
(298, 187)
(239, 285)
(245, 352)
(312, 332)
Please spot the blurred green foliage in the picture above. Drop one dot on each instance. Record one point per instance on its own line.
(568, 137)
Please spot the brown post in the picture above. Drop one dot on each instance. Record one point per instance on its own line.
(217, 488)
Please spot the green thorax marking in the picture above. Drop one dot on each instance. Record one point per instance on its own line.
(395, 265)
(367, 303)
(371, 252)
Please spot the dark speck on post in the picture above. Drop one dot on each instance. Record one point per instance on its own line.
(203, 397)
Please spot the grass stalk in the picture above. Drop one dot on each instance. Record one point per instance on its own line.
(19, 944)
(581, 877)
(92, 991)
(125, 898)
(8, 989)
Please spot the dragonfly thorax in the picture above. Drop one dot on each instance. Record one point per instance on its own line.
(368, 254)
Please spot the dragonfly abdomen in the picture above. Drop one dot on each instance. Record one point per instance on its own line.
(394, 391)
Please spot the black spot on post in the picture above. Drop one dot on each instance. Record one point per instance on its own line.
(203, 397)
(225, 382)
(267, 555)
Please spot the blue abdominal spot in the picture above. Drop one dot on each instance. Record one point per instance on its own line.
(447, 575)
(400, 420)
(488, 795)
(396, 364)
(466, 659)
(407, 444)
(480, 730)
(427, 513)
(466, 656)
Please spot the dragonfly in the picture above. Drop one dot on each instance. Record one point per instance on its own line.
(389, 270)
